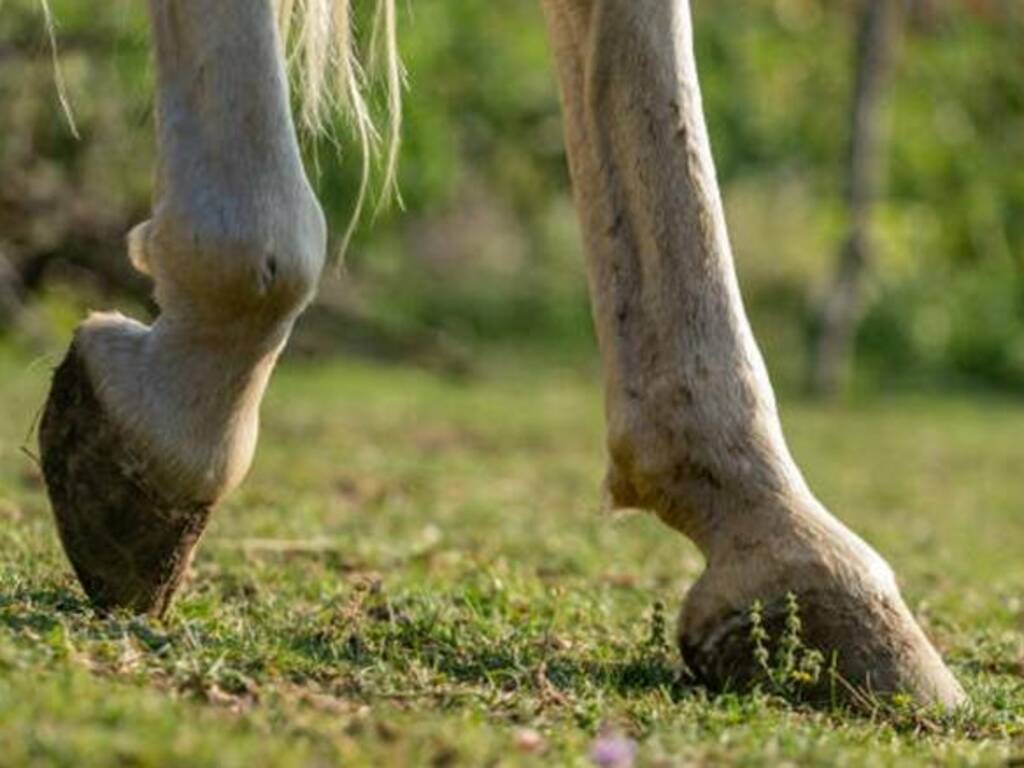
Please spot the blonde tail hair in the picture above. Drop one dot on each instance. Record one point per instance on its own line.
(323, 58)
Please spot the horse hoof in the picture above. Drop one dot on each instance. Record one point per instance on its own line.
(128, 542)
(848, 626)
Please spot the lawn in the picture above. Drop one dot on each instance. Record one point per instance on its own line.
(418, 572)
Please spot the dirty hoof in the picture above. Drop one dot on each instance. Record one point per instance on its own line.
(869, 651)
(129, 544)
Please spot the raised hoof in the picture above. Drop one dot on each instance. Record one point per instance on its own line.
(871, 649)
(129, 544)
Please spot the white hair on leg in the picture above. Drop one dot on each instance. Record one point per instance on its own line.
(322, 53)
(384, 58)
(58, 74)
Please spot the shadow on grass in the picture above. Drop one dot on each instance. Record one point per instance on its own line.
(38, 608)
(511, 661)
(41, 610)
(462, 652)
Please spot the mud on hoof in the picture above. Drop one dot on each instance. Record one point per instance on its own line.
(870, 650)
(129, 544)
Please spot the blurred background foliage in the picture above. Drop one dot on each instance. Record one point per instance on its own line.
(486, 251)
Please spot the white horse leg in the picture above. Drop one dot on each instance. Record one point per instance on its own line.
(146, 428)
(693, 432)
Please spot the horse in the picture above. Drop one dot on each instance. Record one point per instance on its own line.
(146, 428)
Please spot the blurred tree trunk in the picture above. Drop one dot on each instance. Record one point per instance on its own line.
(10, 299)
(840, 311)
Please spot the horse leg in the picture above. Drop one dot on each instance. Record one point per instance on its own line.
(692, 428)
(146, 428)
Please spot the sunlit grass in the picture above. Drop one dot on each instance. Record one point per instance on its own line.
(417, 570)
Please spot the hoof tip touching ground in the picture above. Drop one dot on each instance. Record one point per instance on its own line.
(871, 649)
(129, 544)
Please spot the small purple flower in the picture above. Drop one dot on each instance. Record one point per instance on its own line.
(612, 750)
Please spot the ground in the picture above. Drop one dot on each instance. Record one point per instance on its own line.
(418, 572)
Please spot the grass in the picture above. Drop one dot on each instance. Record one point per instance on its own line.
(417, 573)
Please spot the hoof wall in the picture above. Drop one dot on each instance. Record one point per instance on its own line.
(870, 650)
(129, 544)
